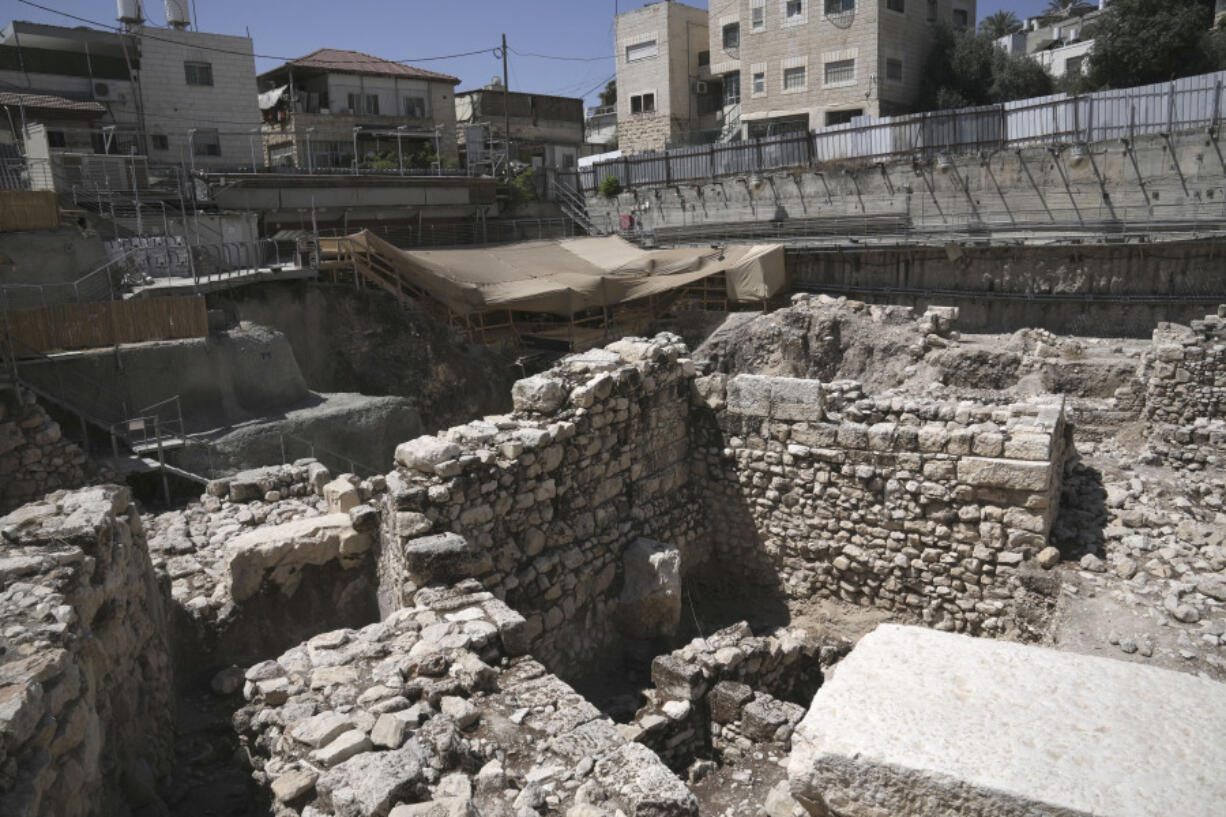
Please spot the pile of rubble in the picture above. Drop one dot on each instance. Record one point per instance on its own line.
(35, 458)
(435, 711)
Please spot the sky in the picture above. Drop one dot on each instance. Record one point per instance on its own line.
(417, 29)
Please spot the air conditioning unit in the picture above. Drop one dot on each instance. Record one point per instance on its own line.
(102, 90)
(700, 87)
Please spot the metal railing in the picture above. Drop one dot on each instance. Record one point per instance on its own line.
(572, 204)
(1164, 108)
(333, 459)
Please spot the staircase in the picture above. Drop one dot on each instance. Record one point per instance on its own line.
(573, 205)
(732, 125)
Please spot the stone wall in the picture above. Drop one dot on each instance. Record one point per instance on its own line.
(86, 704)
(267, 558)
(540, 504)
(35, 459)
(914, 506)
(700, 690)
(1183, 379)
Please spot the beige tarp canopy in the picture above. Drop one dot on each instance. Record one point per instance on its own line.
(567, 276)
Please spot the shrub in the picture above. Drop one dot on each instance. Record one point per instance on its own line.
(610, 187)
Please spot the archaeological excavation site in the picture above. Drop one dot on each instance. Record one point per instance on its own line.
(827, 488)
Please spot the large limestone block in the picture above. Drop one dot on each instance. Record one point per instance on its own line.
(651, 595)
(1013, 475)
(780, 398)
(444, 557)
(280, 551)
(540, 393)
(928, 724)
(423, 453)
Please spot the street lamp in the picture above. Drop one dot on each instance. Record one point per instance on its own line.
(251, 141)
(191, 147)
(356, 129)
(400, 151)
(310, 156)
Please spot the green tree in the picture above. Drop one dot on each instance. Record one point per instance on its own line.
(1142, 41)
(609, 95)
(1000, 24)
(965, 69)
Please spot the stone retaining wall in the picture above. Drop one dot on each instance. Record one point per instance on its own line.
(86, 703)
(540, 505)
(905, 504)
(1184, 382)
(35, 459)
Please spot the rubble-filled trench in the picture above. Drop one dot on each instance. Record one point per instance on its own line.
(621, 597)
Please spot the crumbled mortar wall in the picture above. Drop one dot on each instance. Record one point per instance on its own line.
(1184, 382)
(296, 540)
(86, 701)
(436, 710)
(911, 505)
(35, 459)
(681, 722)
(596, 455)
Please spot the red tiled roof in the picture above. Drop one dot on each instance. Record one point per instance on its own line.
(355, 62)
(48, 102)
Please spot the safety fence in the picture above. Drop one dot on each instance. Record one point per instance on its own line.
(1182, 105)
(68, 326)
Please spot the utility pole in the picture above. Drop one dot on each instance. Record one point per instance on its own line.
(506, 107)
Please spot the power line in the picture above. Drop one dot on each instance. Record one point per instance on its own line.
(336, 63)
(565, 59)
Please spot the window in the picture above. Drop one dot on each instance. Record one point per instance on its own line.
(794, 9)
(206, 143)
(159, 141)
(704, 58)
(732, 35)
(643, 103)
(198, 73)
(415, 107)
(843, 117)
(757, 18)
(1073, 65)
(364, 103)
(893, 70)
(840, 6)
(759, 83)
(642, 51)
(961, 18)
(840, 71)
(794, 78)
(732, 88)
(897, 5)
(56, 139)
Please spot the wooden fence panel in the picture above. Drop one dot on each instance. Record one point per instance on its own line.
(105, 323)
(28, 210)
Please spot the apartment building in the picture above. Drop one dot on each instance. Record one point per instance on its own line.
(662, 69)
(795, 65)
(546, 131)
(171, 93)
(330, 106)
(1061, 43)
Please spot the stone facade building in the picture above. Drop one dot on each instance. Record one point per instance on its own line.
(802, 64)
(770, 66)
(661, 61)
(331, 102)
(546, 131)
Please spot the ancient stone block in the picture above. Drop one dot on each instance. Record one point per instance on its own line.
(726, 699)
(441, 558)
(925, 723)
(1009, 474)
(650, 601)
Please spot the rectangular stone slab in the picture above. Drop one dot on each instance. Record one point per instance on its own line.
(928, 724)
